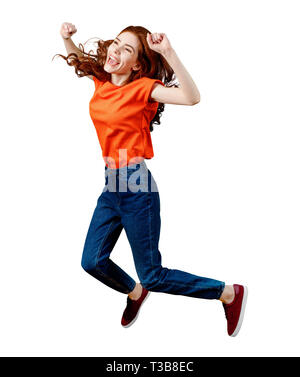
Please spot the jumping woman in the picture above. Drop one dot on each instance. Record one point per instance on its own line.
(132, 75)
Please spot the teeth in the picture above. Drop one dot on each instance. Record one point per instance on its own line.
(113, 59)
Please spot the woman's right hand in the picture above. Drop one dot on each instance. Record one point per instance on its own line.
(67, 30)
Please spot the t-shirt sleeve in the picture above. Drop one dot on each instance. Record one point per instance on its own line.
(148, 89)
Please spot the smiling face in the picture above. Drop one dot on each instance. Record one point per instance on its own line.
(122, 54)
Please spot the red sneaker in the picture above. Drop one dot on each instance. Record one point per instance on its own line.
(234, 311)
(132, 309)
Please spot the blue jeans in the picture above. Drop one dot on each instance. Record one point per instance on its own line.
(130, 200)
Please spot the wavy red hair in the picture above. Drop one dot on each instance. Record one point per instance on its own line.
(153, 64)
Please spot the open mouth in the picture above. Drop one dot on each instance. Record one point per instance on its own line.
(112, 62)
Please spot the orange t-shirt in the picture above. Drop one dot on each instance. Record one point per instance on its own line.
(121, 116)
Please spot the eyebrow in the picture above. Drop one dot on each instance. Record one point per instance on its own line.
(126, 44)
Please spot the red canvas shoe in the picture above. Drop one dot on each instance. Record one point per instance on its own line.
(132, 309)
(234, 311)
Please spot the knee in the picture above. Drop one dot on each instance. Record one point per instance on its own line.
(85, 266)
(88, 265)
(150, 283)
(153, 281)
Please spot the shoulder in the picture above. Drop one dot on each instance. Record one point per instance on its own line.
(148, 85)
(98, 83)
(151, 81)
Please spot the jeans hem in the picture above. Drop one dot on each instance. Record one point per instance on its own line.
(220, 291)
(131, 289)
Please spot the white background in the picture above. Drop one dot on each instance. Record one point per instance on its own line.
(239, 222)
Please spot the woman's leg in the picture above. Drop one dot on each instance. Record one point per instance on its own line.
(103, 233)
(141, 220)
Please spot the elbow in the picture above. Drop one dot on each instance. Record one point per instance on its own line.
(195, 101)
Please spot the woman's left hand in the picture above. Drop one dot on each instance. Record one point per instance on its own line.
(159, 42)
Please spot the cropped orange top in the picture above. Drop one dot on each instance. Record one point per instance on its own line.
(121, 116)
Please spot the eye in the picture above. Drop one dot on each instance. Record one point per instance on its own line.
(127, 49)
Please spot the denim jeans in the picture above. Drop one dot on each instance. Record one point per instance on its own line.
(130, 200)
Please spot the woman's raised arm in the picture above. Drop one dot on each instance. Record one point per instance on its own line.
(66, 31)
(188, 93)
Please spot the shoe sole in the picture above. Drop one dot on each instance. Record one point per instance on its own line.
(137, 314)
(238, 327)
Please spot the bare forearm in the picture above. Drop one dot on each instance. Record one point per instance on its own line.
(187, 84)
(71, 47)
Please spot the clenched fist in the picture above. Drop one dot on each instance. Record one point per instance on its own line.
(67, 30)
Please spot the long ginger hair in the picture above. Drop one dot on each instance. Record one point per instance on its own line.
(153, 64)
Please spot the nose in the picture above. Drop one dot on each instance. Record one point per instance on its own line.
(116, 50)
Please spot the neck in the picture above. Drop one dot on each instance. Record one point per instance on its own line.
(119, 80)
